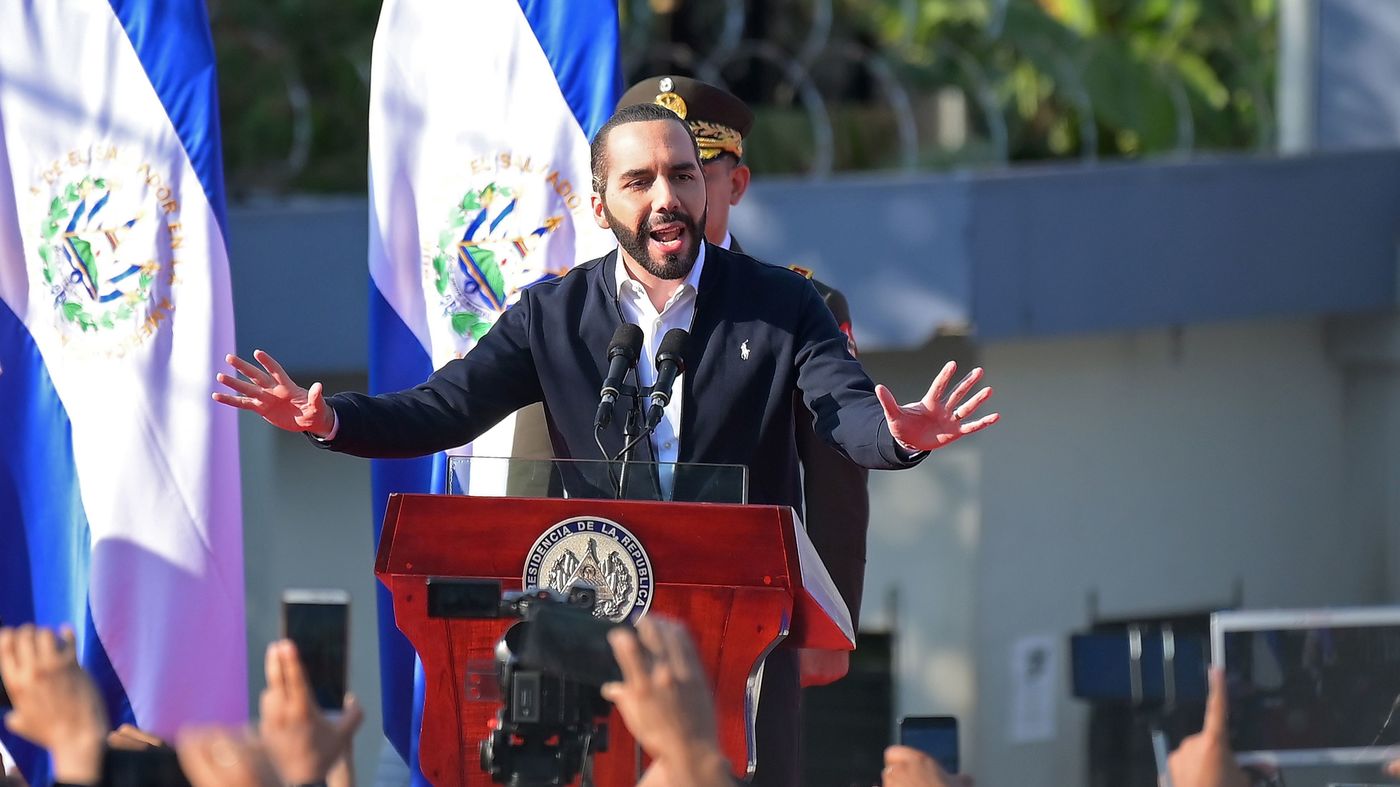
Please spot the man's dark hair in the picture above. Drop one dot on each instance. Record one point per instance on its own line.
(637, 113)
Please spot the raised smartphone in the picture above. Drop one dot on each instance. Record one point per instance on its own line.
(936, 736)
(318, 621)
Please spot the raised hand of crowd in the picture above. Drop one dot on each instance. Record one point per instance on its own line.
(1205, 759)
(906, 767)
(664, 700)
(56, 705)
(303, 744)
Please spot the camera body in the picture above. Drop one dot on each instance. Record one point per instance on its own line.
(550, 664)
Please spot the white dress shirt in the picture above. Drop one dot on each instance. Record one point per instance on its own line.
(679, 312)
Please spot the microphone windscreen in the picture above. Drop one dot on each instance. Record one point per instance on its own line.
(626, 340)
(672, 346)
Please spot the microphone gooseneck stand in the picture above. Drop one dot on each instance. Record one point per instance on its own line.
(628, 428)
(630, 436)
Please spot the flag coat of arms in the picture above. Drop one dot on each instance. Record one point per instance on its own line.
(120, 509)
(480, 116)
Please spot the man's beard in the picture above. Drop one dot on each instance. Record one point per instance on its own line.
(665, 266)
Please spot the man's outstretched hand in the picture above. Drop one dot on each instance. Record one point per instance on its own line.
(941, 416)
(270, 392)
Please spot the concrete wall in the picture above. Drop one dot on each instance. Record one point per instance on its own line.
(306, 524)
(1157, 469)
(925, 533)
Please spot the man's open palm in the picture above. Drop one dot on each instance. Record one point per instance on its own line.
(941, 416)
(270, 392)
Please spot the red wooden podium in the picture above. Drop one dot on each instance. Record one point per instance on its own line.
(743, 578)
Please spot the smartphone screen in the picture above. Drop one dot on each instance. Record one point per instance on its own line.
(936, 736)
(318, 621)
(157, 767)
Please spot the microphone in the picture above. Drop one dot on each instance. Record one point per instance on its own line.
(669, 365)
(623, 350)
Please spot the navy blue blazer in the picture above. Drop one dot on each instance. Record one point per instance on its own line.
(760, 333)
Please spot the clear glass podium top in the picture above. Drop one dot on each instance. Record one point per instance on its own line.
(595, 479)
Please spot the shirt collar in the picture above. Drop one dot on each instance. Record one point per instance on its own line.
(728, 241)
(692, 280)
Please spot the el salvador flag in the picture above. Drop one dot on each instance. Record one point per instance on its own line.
(119, 482)
(480, 116)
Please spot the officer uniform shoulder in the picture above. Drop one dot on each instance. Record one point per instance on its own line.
(834, 300)
(777, 274)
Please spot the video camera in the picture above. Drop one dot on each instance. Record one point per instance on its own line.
(550, 665)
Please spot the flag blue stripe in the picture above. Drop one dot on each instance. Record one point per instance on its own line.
(580, 40)
(43, 527)
(174, 44)
(397, 361)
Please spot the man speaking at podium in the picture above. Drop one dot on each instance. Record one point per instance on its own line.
(836, 508)
(757, 334)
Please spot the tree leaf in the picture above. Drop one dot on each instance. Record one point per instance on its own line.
(1130, 97)
(71, 310)
(1198, 75)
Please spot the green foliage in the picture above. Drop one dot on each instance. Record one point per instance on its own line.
(1065, 78)
(285, 61)
(1147, 76)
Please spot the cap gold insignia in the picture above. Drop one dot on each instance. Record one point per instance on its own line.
(673, 102)
(716, 138)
